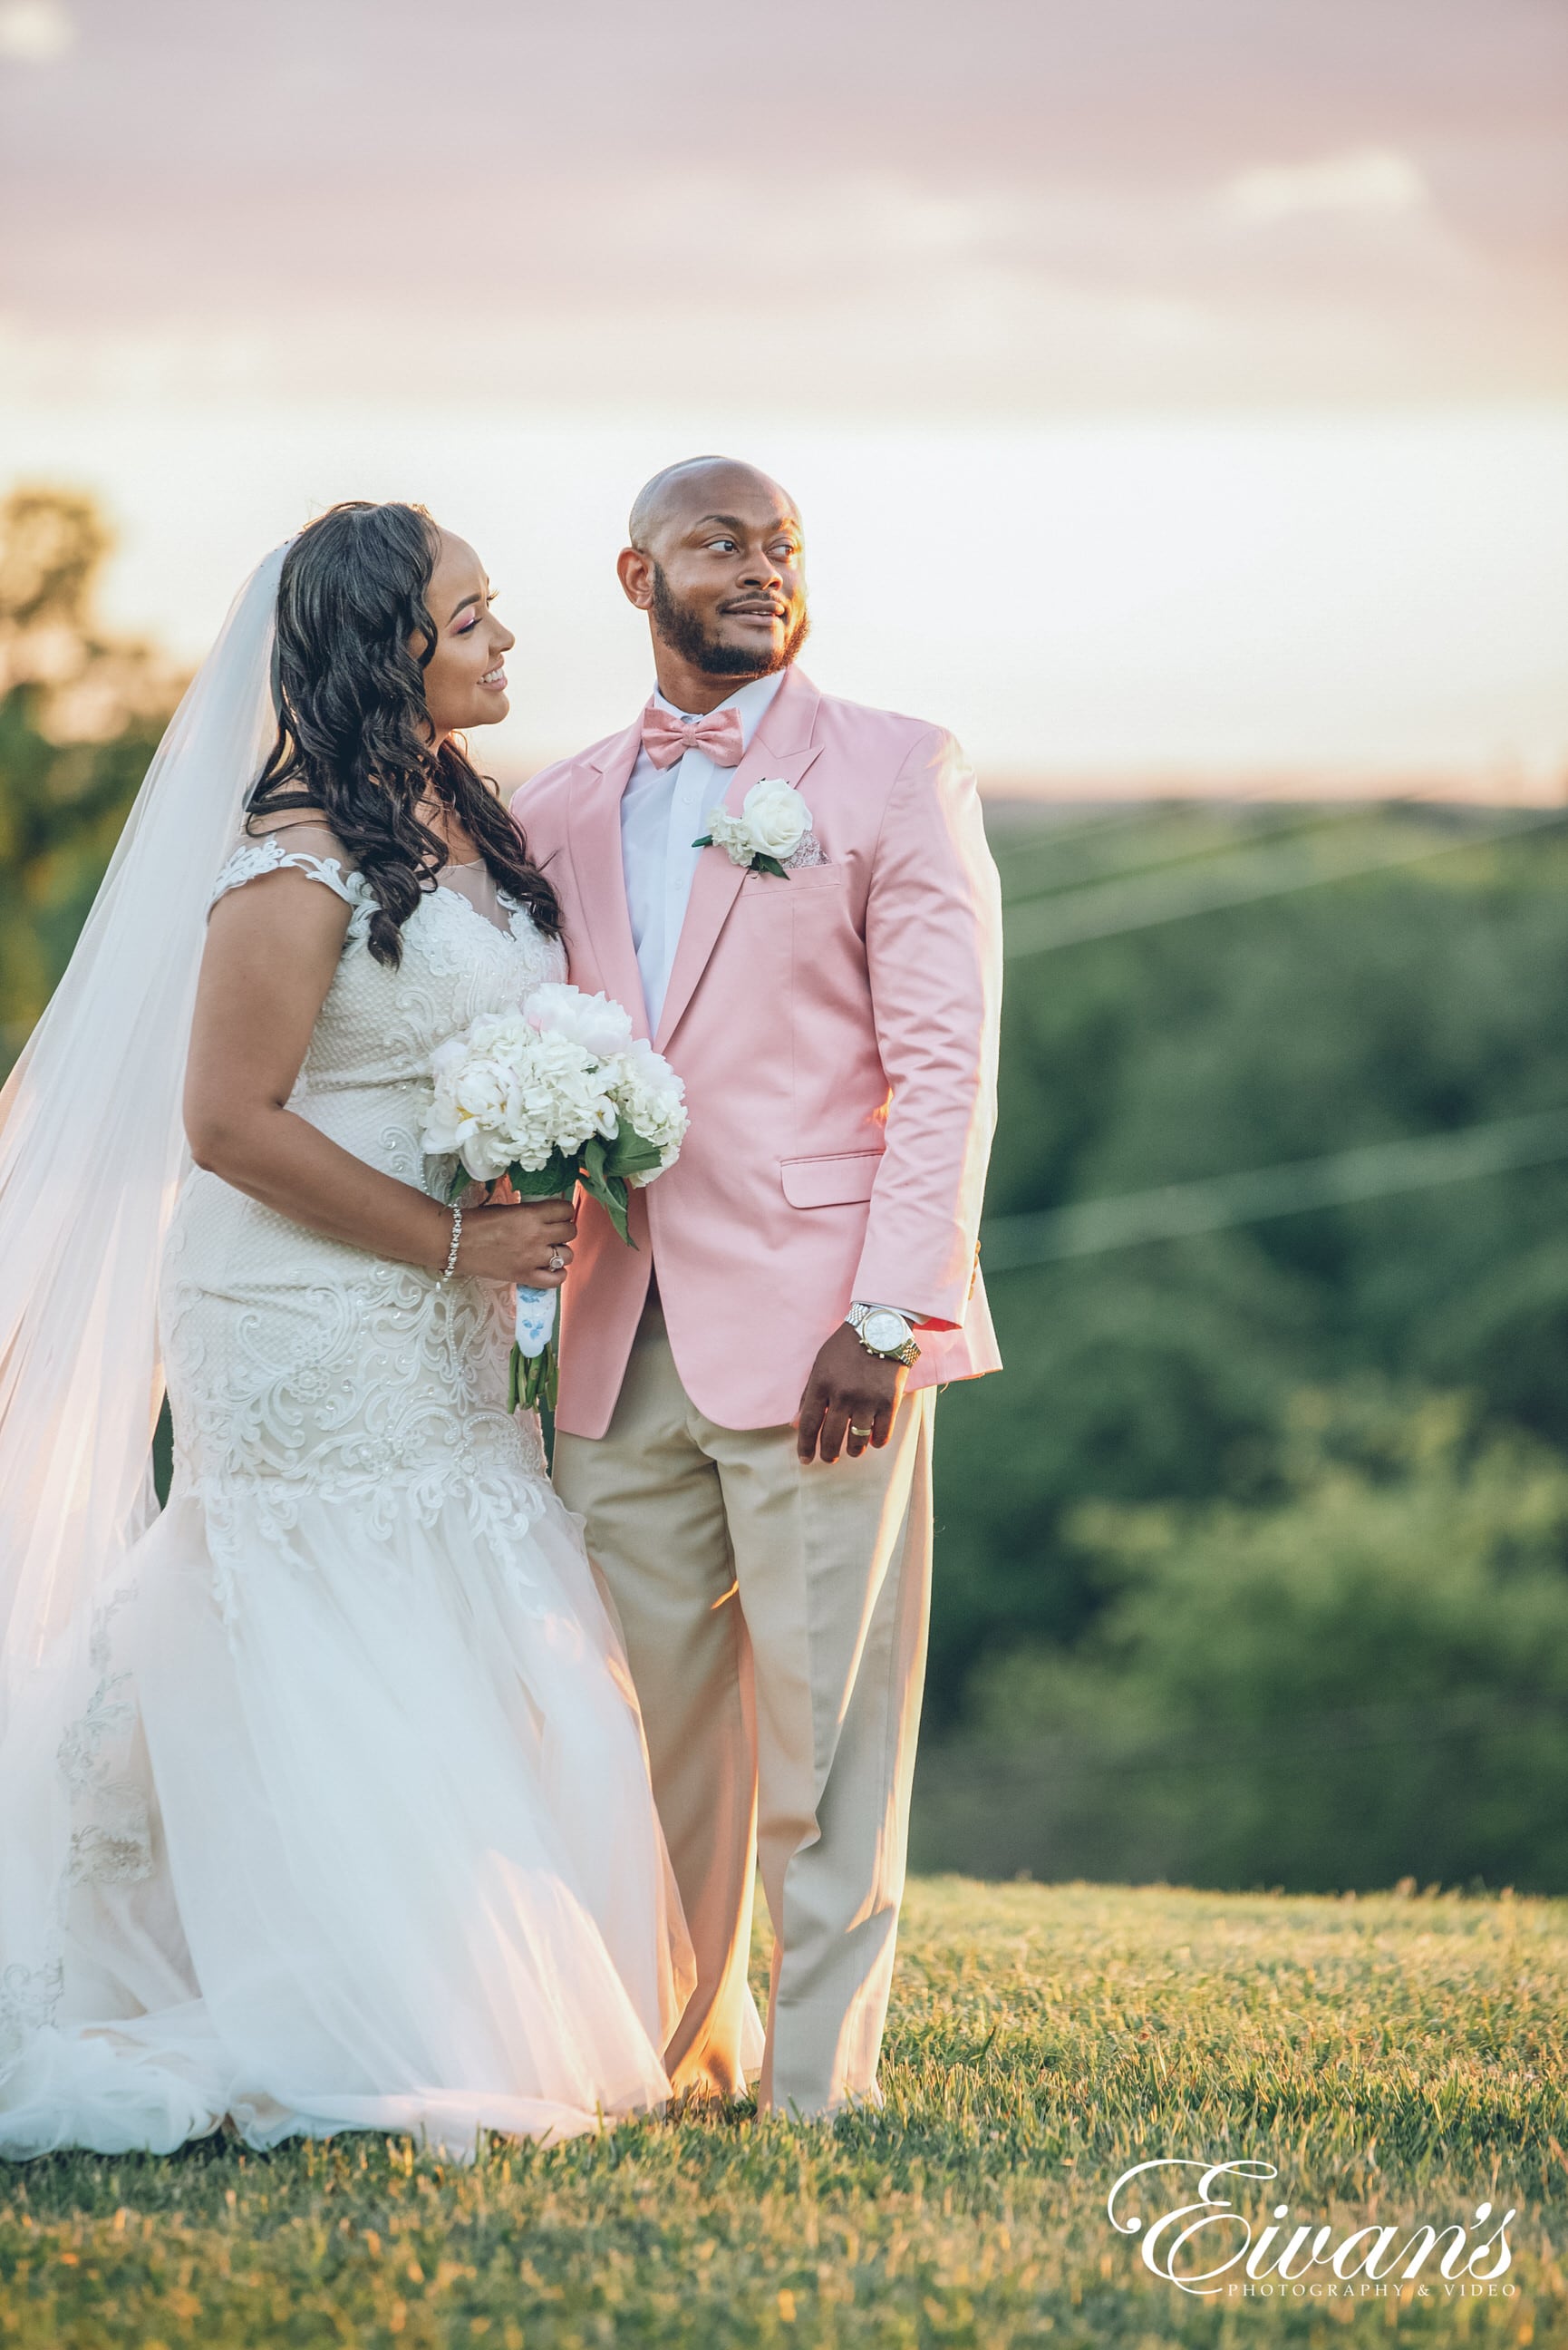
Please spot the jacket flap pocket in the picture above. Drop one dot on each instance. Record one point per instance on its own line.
(830, 1182)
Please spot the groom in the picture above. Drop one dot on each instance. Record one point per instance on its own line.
(746, 1397)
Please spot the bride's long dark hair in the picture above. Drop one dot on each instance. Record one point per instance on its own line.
(351, 738)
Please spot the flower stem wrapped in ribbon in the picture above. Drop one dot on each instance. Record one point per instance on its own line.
(558, 1094)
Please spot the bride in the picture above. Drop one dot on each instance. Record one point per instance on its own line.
(325, 1799)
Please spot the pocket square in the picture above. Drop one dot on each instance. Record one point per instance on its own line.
(808, 851)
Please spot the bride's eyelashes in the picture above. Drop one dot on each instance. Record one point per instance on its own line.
(467, 626)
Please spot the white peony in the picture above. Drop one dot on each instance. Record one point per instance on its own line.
(600, 1025)
(471, 1079)
(772, 822)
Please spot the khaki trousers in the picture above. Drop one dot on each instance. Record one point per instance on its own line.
(776, 1620)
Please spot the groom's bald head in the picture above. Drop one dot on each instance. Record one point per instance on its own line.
(696, 485)
(714, 560)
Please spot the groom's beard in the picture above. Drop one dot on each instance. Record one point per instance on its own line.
(684, 632)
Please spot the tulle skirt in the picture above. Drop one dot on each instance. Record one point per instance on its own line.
(363, 1839)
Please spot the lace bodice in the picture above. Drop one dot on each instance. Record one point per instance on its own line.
(377, 1028)
(300, 1368)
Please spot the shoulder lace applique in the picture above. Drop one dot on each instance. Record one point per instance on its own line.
(267, 855)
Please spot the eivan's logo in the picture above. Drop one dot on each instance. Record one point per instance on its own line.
(1366, 2253)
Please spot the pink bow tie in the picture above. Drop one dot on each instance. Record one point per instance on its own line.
(666, 737)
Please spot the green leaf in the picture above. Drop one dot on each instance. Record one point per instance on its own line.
(760, 864)
(610, 1193)
(706, 841)
(514, 1378)
(631, 1155)
(553, 1181)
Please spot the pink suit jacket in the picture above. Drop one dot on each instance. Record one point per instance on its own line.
(836, 1033)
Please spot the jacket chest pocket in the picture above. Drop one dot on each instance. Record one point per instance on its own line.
(825, 881)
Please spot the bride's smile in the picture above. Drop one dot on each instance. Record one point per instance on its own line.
(464, 667)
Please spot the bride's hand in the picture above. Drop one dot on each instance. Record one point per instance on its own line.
(515, 1242)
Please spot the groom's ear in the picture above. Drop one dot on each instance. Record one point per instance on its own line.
(635, 571)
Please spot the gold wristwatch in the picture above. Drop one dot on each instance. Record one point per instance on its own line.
(883, 1331)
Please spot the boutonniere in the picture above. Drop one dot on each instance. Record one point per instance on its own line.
(772, 822)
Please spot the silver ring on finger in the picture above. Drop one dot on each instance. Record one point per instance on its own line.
(864, 1432)
(557, 1260)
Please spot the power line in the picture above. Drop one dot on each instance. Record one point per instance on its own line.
(1051, 834)
(1281, 821)
(1176, 1210)
(1139, 902)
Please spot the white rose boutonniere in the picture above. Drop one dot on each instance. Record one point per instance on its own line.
(772, 822)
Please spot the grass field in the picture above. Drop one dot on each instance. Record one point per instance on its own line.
(1396, 2058)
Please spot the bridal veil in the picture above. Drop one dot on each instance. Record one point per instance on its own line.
(92, 1151)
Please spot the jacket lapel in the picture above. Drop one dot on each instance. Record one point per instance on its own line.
(781, 746)
(594, 829)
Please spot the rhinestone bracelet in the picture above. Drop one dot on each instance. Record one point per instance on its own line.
(456, 1237)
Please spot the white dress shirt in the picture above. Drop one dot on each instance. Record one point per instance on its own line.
(663, 810)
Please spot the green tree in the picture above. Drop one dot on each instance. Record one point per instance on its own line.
(1364, 1679)
(80, 714)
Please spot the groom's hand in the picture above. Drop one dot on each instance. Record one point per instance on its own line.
(849, 1388)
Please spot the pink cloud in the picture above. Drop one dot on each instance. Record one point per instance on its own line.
(1011, 207)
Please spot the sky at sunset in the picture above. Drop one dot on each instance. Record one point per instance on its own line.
(1174, 391)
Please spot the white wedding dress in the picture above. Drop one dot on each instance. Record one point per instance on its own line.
(360, 1834)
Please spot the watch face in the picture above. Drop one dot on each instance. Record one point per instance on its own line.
(884, 1330)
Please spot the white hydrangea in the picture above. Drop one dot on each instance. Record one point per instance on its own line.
(559, 1096)
(651, 1101)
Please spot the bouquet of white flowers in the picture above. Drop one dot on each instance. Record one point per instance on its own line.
(558, 1094)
